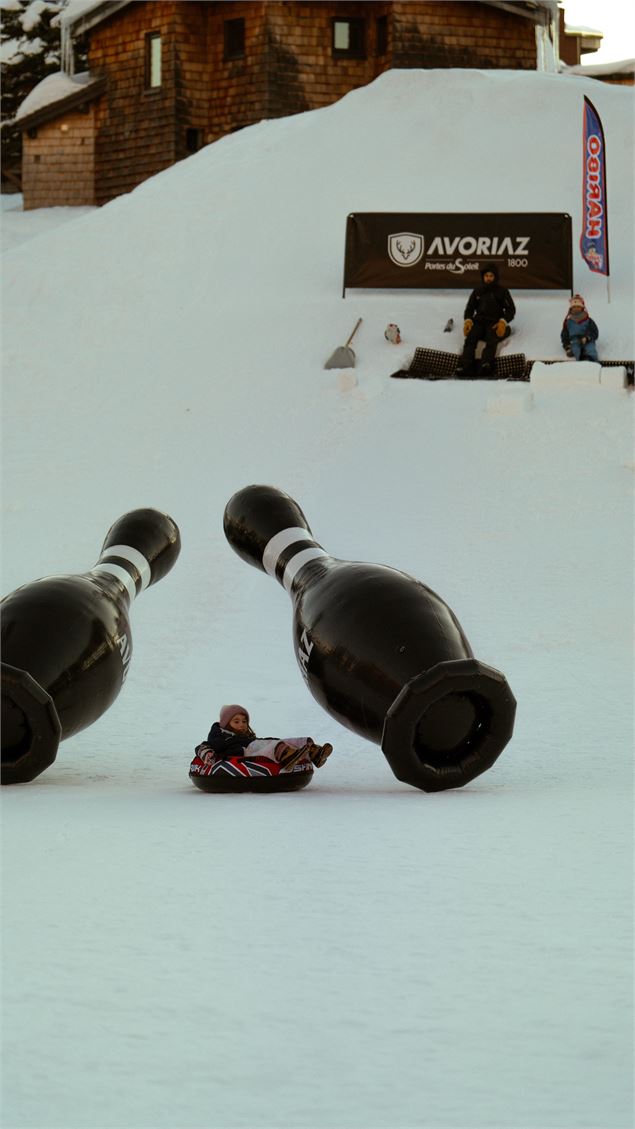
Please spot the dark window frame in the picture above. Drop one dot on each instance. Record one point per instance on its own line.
(193, 139)
(381, 36)
(234, 39)
(357, 37)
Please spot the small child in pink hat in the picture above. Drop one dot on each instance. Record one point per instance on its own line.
(232, 736)
(579, 332)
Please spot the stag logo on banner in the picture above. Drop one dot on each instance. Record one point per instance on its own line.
(405, 248)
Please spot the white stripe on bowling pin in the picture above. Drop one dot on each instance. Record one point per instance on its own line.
(126, 553)
(297, 562)
(281, 541)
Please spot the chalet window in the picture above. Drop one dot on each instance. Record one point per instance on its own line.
(381, 41)
(234, 39)
(349, 39)
(193, 139)
(153, 60)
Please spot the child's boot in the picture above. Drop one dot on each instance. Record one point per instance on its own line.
(319, 754)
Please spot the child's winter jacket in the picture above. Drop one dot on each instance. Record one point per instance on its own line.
(226, 743)
(573, 328)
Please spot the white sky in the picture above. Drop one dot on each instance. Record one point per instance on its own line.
(614, 18)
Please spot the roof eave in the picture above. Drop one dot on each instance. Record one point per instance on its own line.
(535, 10)
(83, 23)
(63, 106)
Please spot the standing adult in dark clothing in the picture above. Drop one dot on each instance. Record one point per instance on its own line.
(489, 310)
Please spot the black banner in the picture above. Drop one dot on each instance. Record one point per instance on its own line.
(444, 250)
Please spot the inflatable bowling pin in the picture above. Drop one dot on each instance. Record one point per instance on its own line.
(381, 652)
(66, 642)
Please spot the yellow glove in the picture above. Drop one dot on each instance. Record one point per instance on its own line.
(500, 328)
(467, 325)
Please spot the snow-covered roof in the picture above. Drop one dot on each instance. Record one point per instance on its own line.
(52, 89)
(89, 12)
(595, 70)
(578, 29)
(56, 94)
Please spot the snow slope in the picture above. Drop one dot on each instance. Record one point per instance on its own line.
(359, 955)
(17, 227)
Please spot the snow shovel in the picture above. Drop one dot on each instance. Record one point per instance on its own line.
(344, 357)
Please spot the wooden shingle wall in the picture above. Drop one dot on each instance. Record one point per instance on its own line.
(288, 65)
(58, 162)
(460, 34)
(135, 126)
(193, 72)
(236, 89)
(303, 71)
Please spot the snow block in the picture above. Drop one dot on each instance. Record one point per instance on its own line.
(565, 374)
(346, 380)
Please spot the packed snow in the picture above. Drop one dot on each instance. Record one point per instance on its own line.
(17, 226)
(358, 955)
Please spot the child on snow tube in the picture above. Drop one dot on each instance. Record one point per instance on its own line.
(233, 748)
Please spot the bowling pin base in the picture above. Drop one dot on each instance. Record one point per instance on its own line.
(448, 725)
(31, 729)
(284, 782)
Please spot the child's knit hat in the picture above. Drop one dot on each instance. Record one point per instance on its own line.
(577, 301)
(227, 712)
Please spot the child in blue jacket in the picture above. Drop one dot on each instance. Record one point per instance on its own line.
(579, 332)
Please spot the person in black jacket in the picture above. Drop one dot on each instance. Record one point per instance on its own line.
(489, 310)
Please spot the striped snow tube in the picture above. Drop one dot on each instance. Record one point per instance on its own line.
(247, 774)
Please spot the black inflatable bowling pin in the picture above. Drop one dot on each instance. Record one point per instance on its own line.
(66, 642)
(378, 649)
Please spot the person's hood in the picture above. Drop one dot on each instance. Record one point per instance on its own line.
(489, 267)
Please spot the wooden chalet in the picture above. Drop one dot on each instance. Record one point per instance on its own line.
(166, 77)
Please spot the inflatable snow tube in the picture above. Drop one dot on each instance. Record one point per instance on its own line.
(248, 774)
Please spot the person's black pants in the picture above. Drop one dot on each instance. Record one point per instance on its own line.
(480, 331)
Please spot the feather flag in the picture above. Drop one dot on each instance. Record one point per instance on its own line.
(594, 240)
